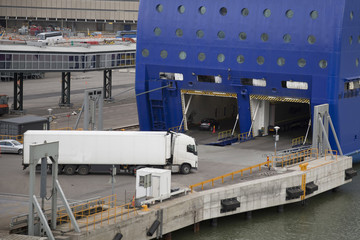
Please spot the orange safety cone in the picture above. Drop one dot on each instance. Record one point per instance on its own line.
(213, 129)
(133, 202)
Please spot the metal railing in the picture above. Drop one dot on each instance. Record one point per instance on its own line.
(245, 136)
(241, 136)
(100, 211)
(222, 177)
(67, 129)
(18, 224)
(19, 138)
(224, 135)
(298, 141)
(331, 153)
(296, 157)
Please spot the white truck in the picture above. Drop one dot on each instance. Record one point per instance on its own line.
(98, 151)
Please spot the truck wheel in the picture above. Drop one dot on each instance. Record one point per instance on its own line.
(83, 170)
(131, 170)
(69, 169)
(185, 169)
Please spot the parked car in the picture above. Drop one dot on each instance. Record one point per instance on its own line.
(11, 146)
(208, 124)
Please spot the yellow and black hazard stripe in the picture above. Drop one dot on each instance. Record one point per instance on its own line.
(280, 99)
(209, 93)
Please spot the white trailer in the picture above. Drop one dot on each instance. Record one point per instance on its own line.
(91, 151)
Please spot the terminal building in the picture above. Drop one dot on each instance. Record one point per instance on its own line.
(252, 64)
(79, 15)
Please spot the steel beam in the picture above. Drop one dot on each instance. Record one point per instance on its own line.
(107, 84)
(65, 89)
(18, 91)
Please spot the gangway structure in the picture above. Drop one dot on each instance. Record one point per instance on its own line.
(21, 59)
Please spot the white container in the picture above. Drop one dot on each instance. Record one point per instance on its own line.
(152, 183)
(123, 149)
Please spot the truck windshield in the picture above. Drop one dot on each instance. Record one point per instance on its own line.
(191, 149)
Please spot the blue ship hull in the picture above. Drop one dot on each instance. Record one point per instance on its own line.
(250, 51)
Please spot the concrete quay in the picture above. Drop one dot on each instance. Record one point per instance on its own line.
(252, 195)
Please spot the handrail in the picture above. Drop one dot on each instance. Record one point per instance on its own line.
(224, 134)
(331, 153)
(296, 157)
(298, 141)
(212, 180)
(98, 211)
(241, 136)
(245, 136)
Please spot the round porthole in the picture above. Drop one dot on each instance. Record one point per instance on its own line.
(260, 60)
(323, 64)
(145, 52)
(264, 37)
(301, 62)
(221, 35)
(287, 38)
(289, 13)
(221, 57)
(200, 33)
(163, 54)
(311, 39)
(267, 13)
(181, 9)
(240, 59)
(281, 61)
(182, 55)
(223, 11)
(245, 12)
(314, 14)
(159, 8)
(202, 10)
(201, 57)
(242, 36)
(179, 32)
(157, 31)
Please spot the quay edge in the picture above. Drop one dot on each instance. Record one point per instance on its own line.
(199, 206)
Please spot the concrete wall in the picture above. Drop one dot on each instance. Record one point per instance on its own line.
(252, 195)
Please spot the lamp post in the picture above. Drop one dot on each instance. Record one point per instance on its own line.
(276, 139)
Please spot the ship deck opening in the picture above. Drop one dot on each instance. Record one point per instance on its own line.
(220, 108)
(290, 114)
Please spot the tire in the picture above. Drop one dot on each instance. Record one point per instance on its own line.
(83, 170)
(131, 170)
(69, 169)
(20, 152)
(185, 168)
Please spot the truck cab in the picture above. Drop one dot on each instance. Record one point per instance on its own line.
(185, 153)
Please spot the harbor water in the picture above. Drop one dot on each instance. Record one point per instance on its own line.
(331, 215)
